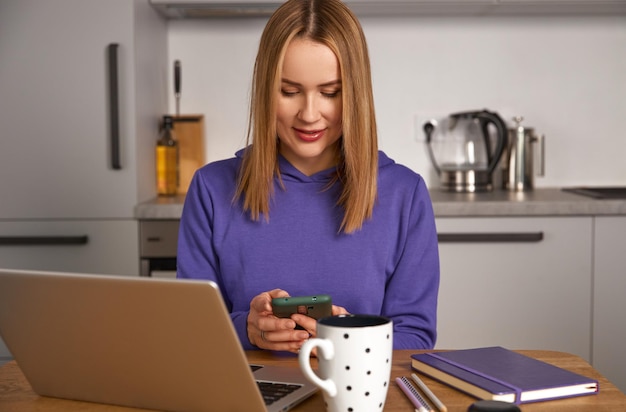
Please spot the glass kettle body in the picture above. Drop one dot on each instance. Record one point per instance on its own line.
(465, 149)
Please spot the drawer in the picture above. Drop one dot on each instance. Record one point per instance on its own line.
(158, 238)
(81, 246)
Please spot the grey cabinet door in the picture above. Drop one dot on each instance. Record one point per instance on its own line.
(514, 290)
(609, 325)
(83, 246)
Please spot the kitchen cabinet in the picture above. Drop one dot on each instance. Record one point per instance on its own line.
(82, 246)
(220, 8)
(58, 155)
(609, 326)
(517, 282)
(158, 244)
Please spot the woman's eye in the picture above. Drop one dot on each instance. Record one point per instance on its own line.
(294, 92)
(288, 93)
(333, 93)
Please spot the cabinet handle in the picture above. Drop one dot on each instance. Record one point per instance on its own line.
(114, 113)
(489, 237)
(43, 240)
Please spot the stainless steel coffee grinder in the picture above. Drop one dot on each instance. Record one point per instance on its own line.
(518, 159)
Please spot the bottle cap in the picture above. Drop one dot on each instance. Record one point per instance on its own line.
(168, 121)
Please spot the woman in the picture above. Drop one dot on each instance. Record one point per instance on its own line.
(311, 206)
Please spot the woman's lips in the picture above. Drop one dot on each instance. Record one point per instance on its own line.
(309, 135)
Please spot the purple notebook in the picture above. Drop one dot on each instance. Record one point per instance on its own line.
(501, 374)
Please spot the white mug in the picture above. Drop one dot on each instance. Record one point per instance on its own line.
(354, 357)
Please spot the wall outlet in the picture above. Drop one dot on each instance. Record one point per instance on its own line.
(420, 119)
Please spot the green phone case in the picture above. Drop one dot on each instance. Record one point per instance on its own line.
(316, 306)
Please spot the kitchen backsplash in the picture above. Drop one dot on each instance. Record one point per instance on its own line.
(565, 75)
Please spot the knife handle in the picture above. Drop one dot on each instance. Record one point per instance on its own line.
(114, 111)
(177, 78)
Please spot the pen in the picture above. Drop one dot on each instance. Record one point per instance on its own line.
(429, 394)
(414, 396)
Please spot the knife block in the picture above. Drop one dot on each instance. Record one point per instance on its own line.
(189, 132)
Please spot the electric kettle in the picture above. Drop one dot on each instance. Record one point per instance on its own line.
(465, 149)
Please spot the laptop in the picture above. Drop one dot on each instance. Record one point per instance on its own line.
(162, 344)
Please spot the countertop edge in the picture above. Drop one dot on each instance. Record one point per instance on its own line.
(538, 202)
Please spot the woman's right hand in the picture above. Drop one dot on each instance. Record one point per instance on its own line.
(267, 331)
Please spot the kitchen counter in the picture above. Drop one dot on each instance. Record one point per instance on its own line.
(161, 208)
(538, 202)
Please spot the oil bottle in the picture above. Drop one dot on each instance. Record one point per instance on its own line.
(167, 159)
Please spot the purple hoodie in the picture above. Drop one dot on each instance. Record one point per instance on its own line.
(390, 267)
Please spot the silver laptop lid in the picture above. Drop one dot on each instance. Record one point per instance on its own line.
(142, 342)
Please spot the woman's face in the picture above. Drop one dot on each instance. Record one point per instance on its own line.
(308, 115)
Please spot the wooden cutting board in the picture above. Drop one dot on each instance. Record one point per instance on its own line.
(189, 132)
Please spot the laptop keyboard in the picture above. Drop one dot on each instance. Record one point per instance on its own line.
(273, 391)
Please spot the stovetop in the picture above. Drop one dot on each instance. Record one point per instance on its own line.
(599, 192)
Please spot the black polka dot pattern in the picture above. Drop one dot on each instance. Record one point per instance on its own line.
(367, 393)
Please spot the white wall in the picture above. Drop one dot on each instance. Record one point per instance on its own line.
(565, 75)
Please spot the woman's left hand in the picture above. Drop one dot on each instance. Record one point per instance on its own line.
(310, 325)
(267, 331)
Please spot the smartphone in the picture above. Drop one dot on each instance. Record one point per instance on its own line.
(317, 306)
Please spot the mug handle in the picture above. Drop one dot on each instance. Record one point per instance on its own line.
(327, 351)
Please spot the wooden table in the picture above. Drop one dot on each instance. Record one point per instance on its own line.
(16, 394)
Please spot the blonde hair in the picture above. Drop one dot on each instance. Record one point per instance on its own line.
(331, 23)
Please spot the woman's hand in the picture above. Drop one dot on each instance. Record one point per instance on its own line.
(270, 332)
(310, 325)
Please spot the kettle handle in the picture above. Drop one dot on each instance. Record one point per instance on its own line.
(502, 130)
